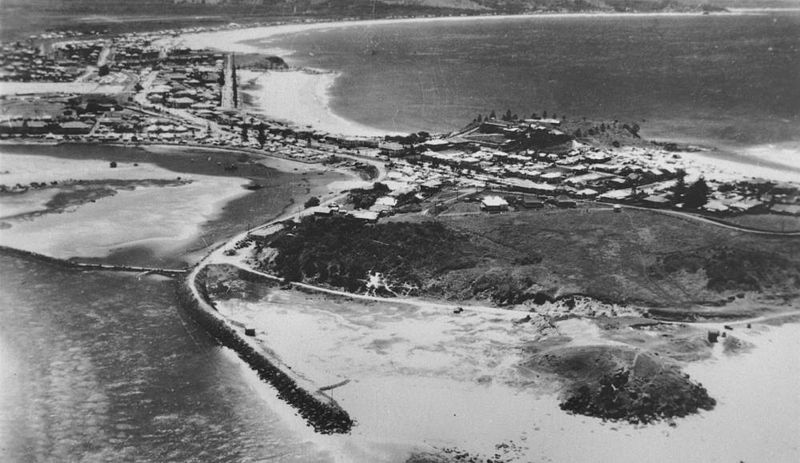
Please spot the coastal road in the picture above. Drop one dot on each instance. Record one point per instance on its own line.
(699, 218)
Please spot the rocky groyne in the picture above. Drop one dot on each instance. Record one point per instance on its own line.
(319, 410)
(170, 272)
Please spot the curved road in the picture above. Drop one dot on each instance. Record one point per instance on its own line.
(217, 256)
(699, 218)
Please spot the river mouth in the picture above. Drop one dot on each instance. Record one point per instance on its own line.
(158, 207)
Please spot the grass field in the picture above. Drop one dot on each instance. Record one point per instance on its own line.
(682, 267)
(634, 256)
(768, 222)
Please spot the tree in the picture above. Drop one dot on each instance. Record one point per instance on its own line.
(492, 115)
(697, 194)
(235, 84)
(103, 70)
(544, 114)
(480, 118)
(679, 189)
(262, 135)
(245, 129)
(312, 202)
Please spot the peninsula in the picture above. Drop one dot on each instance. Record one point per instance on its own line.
(527, 264)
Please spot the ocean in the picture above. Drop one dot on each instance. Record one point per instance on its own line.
(106, 367)
(723, 80)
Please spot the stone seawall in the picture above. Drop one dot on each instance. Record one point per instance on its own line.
(88, 266)
(319, 410)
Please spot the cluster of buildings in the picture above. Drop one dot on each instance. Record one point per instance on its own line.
(535, 158)
(23, 62)
(169, 94)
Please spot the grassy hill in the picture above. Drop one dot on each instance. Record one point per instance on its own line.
(637, 257)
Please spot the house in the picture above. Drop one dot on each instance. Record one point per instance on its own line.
(565, 201)
(320, 211)
(437, 144)
(551, 177)
(74, 128)
(37, 127)
(494, 204)
(656, 200)
(364, 216)
(391, 148)
(587, 193)
(532, 203)
(12, 127)
(183, 102)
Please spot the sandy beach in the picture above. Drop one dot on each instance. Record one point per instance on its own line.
(718, 166)
(421, 378)
(304, 97)
(236, 40)
(301, 97)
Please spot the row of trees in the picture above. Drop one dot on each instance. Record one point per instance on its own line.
(509, 117)
(261, 137)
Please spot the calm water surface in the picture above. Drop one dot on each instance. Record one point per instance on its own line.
(105, 367)
(729, 79)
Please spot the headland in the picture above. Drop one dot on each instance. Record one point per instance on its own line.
(520, 267)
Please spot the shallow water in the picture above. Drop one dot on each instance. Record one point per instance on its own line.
(420, 377)
(141, 223)
(105, 367)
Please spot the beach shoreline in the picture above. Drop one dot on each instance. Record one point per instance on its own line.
(303, 96)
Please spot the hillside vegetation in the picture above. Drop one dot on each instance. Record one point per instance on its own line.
(636, 257)
(341, 251)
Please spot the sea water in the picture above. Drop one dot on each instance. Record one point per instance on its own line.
(725, 80)
(106, 367)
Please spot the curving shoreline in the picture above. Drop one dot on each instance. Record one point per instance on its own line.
(306, 99)
(317, 408)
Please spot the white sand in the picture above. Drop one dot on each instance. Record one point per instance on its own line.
(162, 218)
(414, 381)
(787, 154)
(296, 96)
(232, 40)
(719, 168)
(304, 99)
